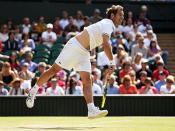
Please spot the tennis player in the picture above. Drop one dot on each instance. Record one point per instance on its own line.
(76, 55)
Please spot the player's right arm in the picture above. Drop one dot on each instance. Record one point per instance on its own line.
(108, 51)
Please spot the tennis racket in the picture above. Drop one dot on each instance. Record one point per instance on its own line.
(105, 92)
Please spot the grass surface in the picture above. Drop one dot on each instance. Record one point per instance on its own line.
(82, 123)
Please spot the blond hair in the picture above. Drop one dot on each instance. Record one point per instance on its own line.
(113, 9)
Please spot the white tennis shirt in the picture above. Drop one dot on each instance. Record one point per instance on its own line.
(105, 26)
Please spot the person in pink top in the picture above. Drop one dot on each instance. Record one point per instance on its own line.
(148, 89)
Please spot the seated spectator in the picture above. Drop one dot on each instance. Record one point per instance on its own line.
(32, 65)
(160, 66)
(126, 68)
(148, 39)
(132, 34)
(141, 81)
(95, 88)
(41, 90)
(78, 21)
(26, 86)
(11, 43)
(18, 35)
(16, 87)
(41, 69)
(144, 64)
(96, 16)
(161, 82)
(132, 74)
(64, 21)
(123, 42)
(41, 25)
(54, 90)
(148, 89)
(34, 34)
(97, 75)
(139, 48)
(120, 56)
(26, 44)
(136, 65)
(4, 33)
(70, 27)
(153, 49)
(128, 28)
(112, 87)
(3, 91)
(142, 19)
(86, 23)
(7, 75)
(126, 87)
(76, 76)
(49, 37)
(14, 63)
(26, 27)
(25, 74)
(57, 27)
(169, 88)
(10, 25)
(73, 88)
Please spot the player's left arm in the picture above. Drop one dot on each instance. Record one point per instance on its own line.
(108, 50)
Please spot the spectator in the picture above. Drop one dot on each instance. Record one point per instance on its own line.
(41, 25)
(76, 76)
(34, 34)
(130, 15)
(153, 64)
(161, 82)
(95, 88)
(3, 91)
(88, 2)
(86, 23)
(32, 65)
(141, 81)
(64, 21)
(54, 90)
(18, 35)
(123, 42)
(128, 28)
(41, 90)
(41, 69)
(49, 37)
(14, 63)
(148, 89)
(4, 33)
(26, 27)
(27, 44)
(96, 16)
(144, 63)
(70, 27)
(25, 74)
(142, 28)
(126, 87)
(78, 21)
(16, 87)
(26, 86)
(112, 87)
(137, 62)
(57, 27)
(62, 79)
(153, 49)
(139, 48)
(7, 75)
(132, 33)
(10, 25)
(148, 39)
(132, 74)
(169, 88)
(73, 88)
(126, 67)
(11, 43)
(160, 66)
(96, 77)
(141, 20)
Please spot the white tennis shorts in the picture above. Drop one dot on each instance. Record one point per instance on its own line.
(75, 56)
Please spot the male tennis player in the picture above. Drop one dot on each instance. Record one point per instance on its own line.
(76, 55)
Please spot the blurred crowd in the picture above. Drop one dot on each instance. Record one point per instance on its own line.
(141, 65)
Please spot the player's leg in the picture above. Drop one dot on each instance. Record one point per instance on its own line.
(93, 112)
(43, 79)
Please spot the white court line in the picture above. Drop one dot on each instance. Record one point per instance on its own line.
(103, 122)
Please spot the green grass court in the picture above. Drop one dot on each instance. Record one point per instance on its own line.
(84, 124)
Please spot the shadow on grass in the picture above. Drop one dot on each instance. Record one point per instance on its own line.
(57, 128)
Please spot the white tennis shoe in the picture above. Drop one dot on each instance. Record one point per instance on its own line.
(30, 99)
(96, 113)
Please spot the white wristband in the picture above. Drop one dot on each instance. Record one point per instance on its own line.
(112, 62)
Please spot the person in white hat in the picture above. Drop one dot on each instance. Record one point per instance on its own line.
(49, 37)
(75, 54)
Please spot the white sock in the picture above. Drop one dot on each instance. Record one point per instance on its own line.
(90, 106)
(35, 88)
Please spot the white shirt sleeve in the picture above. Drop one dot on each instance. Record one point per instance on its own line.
(107, 29)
